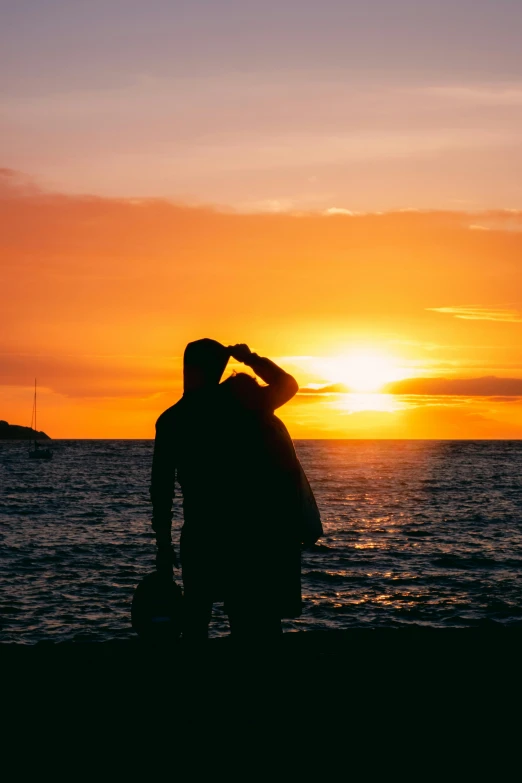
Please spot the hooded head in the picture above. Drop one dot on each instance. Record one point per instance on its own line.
(204, 363)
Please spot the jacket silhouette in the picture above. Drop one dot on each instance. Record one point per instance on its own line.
(240, 541)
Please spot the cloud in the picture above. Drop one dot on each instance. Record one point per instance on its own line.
(339, 211)
(272, 205)
(496, 388)
(477, 313)
(474, 387)
(504, 399)
(336, 388)
(16, 184)
(93, 376)
(508, 220)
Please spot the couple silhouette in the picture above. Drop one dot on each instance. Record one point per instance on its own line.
(247, 506)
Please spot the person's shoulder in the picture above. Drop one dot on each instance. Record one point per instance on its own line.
(170, 417)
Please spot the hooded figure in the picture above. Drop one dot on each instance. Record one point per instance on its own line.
(204, 363)
(186, 442)
(240, 540)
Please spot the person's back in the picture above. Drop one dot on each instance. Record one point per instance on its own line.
(264, 562)
(189, 444)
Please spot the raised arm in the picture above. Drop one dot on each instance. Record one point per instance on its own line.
(281, 385)
(162, 490)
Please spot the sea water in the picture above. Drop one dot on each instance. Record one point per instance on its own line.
(416, 533)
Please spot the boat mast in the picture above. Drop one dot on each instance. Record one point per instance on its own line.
(38, 452)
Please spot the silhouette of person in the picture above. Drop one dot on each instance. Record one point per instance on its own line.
(240, 540)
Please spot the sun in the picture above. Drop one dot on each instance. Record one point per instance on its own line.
(361, 371)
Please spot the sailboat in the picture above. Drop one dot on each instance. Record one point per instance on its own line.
(38, 451)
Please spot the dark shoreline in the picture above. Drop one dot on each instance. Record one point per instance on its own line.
(348, 693)
(301, 645)
(410, 653)
(335, 639)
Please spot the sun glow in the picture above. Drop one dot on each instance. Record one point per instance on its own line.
(355, 403)
(361, 371)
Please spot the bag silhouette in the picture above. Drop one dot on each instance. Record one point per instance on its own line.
(157, 608)
(311, 527)
(281, 445)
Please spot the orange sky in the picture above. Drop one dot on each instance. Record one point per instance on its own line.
(100, 296)
(338, 184)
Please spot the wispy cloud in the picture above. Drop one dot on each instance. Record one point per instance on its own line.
(473, 387)
(505, 220)
(339, 211)
(317, 389)
(432, 388)
(477, 313)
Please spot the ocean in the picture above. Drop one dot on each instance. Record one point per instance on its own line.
(417, 533)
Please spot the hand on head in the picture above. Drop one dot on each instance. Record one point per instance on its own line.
(241, 352)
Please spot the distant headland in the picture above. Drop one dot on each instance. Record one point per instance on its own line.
(17, 432)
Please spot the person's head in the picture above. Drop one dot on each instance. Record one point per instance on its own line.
(204, 363)
(242, 387)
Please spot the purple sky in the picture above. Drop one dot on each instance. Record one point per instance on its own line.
(267, 105)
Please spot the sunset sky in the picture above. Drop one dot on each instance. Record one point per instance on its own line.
(338, 184)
